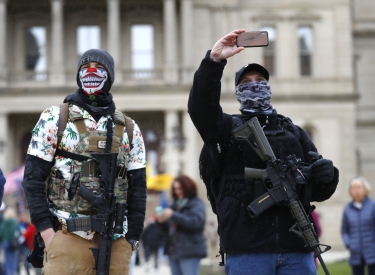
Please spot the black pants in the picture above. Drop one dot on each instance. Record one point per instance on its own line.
(151, 251)
(360, 269)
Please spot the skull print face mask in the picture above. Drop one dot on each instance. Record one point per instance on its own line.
(92, 79)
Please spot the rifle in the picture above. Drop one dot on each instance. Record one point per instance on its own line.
(280, 178)
(110, 215)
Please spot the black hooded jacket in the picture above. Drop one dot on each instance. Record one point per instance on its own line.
(239, 233)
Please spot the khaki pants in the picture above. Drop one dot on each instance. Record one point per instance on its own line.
(70, 254)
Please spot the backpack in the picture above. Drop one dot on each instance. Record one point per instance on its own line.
(210, 172)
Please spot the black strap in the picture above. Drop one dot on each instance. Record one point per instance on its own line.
(63, 119)
(108, 144)
(286, 121)
(70, 155)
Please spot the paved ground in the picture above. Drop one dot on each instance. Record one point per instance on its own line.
(138, 270)
(163, 269)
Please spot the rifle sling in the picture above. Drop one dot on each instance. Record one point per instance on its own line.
(63, 119)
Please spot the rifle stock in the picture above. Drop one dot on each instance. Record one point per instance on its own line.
(254, 135)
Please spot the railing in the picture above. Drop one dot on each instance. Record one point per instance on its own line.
(28, 76)
(143, 75)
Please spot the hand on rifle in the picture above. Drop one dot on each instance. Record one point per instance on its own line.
(225, 47)
(321, 170)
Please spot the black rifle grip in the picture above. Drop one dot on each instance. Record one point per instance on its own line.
(88, 195)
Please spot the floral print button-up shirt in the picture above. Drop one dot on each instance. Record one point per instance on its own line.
(44, 141)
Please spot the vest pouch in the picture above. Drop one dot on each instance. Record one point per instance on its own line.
(97, 144)
(57, 191)
(121, 190)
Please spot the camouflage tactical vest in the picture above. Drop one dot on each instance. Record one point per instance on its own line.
(63, 193)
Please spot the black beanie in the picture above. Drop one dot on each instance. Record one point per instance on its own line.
(100, 56)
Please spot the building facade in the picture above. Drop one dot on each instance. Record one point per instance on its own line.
(363, 26)
(158, 44)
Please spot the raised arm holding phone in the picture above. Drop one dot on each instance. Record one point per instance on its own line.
(261, 245)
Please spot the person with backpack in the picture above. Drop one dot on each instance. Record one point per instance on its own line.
(60, 162)
(262, 245)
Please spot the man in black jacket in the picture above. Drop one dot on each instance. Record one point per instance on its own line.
(261, 245)
(53, 177)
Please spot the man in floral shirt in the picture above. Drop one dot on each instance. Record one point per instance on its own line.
(69, 252)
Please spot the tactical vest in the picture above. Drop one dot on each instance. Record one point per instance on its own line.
(63, 193)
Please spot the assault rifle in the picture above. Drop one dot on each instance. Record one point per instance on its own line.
(280, 178)
(110, 215)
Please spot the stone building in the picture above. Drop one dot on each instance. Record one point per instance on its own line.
(363, 28)
(158, 44)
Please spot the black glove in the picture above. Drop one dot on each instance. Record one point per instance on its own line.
(36, 256)
(321, 170)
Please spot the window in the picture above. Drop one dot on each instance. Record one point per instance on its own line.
(142, 48)
(269, 51)
(35, 45)
(88, 37)
(305, 49)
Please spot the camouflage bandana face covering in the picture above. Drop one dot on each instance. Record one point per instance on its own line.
(255, 97)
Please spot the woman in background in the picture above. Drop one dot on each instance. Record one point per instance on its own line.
(185, 220)
(358, 227)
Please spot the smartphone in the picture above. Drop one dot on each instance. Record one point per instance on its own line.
(252, 39)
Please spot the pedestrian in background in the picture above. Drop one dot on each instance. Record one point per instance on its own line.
(185, 220)
(358, 227)
(2, 183)
(9, 234)
(152, 239)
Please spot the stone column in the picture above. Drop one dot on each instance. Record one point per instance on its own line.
(287, 50)
(187, 47)
(113, 29)
(3, 34)
(170, 158)
(192, 148)
(170, 42)
(4, 143)
(57, 75)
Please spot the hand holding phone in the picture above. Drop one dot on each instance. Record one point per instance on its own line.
(252, 39)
